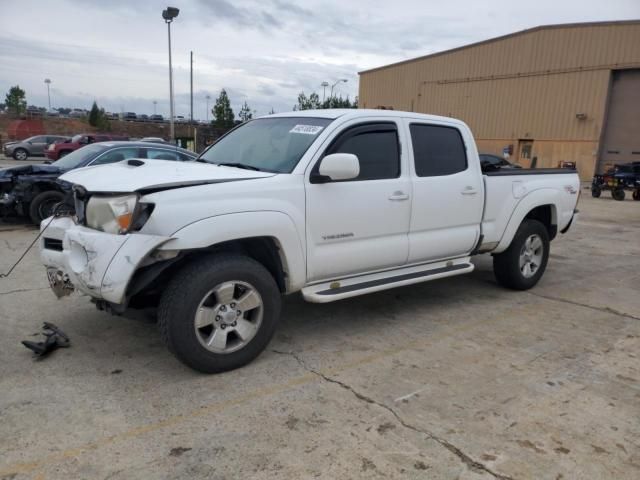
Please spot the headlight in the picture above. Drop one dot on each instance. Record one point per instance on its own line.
(113, 214)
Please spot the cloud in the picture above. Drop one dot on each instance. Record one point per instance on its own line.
(262, 51)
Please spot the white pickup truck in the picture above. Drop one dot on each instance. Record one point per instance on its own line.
(331, 203)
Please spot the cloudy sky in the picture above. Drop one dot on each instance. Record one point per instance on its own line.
(261, 51)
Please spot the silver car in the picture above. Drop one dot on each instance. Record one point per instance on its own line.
(32, 146)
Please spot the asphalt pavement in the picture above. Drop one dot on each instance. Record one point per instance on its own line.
(453, 379)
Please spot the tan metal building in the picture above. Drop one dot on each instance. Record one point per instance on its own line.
(554, 93)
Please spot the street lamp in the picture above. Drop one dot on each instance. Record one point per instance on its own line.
(48, 82)
(324, 86)
(208, 97)
(169, 14)
(337, 82)
(155, 102)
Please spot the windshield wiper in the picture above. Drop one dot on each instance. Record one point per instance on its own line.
(239, 165)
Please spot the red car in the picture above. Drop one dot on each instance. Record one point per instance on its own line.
(56, 151)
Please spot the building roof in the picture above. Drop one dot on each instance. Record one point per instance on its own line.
(504, 37)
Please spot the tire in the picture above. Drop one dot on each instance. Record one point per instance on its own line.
(507, 265)
(20, 154)
(596, 192)
(618, 194)
(636, 195)
(200, 287)
(41, 206)
(63, 153)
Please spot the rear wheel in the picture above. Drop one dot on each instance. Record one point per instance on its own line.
(521, 265)
(596, 191)
(220, 312)
(20, 154)
(42, 205)
(636, 194)
(618, 194)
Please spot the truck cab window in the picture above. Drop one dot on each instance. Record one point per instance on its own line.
(437, 150)
(376, 147)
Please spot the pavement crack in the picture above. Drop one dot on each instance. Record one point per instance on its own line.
(471, 464)
(21, 290)
(586, 305)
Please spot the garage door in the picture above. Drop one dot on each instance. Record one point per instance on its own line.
(621, 142)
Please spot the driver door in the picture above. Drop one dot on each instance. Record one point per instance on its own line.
(360, 225)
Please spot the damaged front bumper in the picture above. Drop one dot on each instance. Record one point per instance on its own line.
(95, 263)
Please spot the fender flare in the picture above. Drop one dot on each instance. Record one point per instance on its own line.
(235, 226)
(536, 198)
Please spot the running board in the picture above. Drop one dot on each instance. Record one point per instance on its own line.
(351, 287)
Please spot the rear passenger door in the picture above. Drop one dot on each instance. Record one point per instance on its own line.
(360, 225)
(448, 192)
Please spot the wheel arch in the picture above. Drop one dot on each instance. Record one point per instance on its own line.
(270, 238)
(541, 205)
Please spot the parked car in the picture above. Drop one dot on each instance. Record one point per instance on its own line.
(154, 140)
(179, 119)
(324, 202)
(618, 179)
(33, 190)
(143, 117)
(130, 116)
(488, 162)
(78, 113)
(156, 118)
(56, 151)
(31, 147)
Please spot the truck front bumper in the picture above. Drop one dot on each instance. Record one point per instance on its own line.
(96, 263)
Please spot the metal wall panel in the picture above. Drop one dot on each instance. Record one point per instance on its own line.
(525, 85)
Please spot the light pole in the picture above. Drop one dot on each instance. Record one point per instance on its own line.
(337, 82)
(155, 102)
(48, 82)
(169, 14)
(324, 86)
(208, 97)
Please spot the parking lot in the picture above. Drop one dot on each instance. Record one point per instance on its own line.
(451, 379)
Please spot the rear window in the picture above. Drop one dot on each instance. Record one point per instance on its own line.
(437, 150)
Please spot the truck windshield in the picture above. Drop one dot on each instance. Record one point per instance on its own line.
(78, 157)
(267, 144)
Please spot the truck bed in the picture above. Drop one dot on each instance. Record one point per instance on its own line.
(508, 193)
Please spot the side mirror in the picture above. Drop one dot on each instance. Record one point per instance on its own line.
(338, 166)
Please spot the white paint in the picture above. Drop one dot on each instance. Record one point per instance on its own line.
(348, 231)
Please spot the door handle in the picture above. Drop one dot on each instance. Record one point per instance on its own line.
(399, 196)
(469, 190)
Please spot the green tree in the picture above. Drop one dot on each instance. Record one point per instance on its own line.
(308, 103)
(222, 112)
(245, 112)
(15, 100)
(94, 115)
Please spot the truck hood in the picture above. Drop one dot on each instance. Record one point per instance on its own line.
(141, 175)
(28, 170)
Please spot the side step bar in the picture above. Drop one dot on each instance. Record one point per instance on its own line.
(351, 287)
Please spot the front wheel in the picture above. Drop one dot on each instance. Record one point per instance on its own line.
(618, 194)
(636, 195)
(20, 154)
(521, 265)
(596, 191)
(219, 312)
(42, 205)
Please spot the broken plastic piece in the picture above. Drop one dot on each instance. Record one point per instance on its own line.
(54, 338)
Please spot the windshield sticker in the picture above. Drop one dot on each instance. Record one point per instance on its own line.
(306, 129)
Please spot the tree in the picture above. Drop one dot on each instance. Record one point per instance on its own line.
(222, 112)
(307, 103)
(94, 115)
(245, 112)
(16, 100)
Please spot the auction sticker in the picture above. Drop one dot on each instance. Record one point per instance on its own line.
(306, 129)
